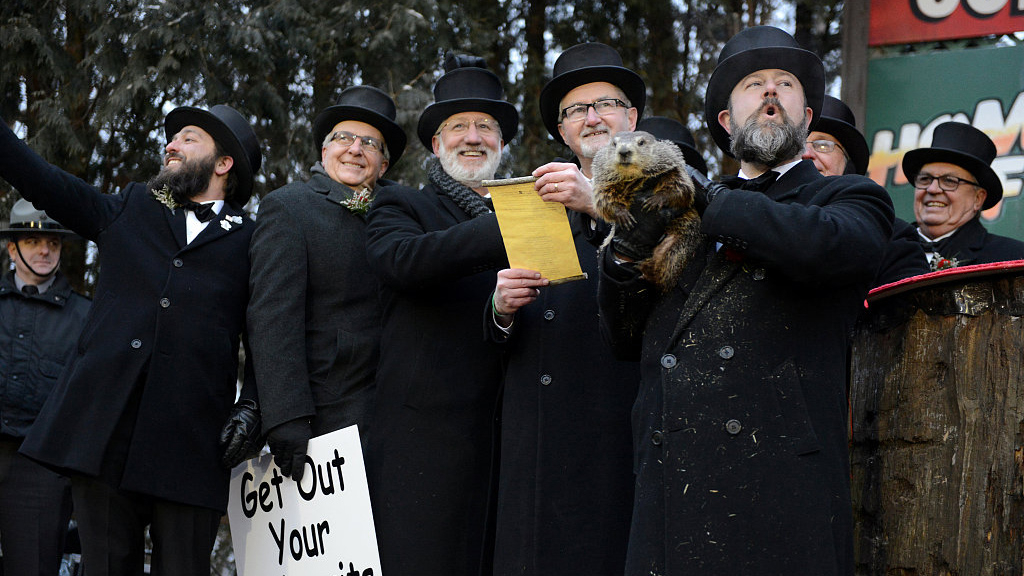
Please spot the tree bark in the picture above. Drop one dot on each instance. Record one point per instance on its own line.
(937, 400)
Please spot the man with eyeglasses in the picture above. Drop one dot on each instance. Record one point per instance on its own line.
(953, 182)
(430, 454)
(566, 482)
(741, 419)
(835, 145)
(314, 314)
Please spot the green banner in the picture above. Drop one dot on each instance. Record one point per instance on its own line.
(909, 95)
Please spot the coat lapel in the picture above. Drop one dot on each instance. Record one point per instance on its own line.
(716, 273)
(176, 222)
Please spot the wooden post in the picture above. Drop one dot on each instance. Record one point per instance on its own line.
(937, 408)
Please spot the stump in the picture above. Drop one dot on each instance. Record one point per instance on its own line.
(937, 415)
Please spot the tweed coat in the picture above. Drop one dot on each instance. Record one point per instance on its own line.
(314, 308)
(565, 494)
(153, 378)
(741, 419)
(430, 453)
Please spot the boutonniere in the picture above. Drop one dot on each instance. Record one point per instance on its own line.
(229, 220)
(164, 196)
(359, 203)
(940, 263)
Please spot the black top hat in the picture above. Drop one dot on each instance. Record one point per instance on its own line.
(363, 104)
(583, 64)
(234, 134)
(963, 145)
(760, 48)
(467, 86)
(664, 128)
(837, 120)
(27, 218)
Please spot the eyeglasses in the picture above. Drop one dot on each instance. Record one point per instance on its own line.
(946, 182)
(347, 139)
(603, 107)
(824, 146)
(484, 126)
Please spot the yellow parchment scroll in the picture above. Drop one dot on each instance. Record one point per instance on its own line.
(536, 233)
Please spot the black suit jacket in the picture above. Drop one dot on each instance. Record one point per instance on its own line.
(314, 313)
(154, 374)
(429, 455)
(973, 244)
(740, 425)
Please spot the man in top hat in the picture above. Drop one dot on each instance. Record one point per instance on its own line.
(136, 416)
(740, 422)
(40, 319)
(566, 482)
(430, 453)
(953, 182)
(314, 313)
(835, 145)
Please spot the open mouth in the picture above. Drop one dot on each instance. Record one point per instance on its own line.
(351, 165)
(935, 204)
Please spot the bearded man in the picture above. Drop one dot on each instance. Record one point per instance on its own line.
(135, 419)
(740, 422)
(436, 250)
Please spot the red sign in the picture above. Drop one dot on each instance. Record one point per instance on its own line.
(909, 21)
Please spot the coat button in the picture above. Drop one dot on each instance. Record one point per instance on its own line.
(178, 263)
(733, 427)
(657, 437)
(164, 302)
(668, 361)
(545, 379)
(549, 315)
(136, 343)
(726, 352)
(759, 274)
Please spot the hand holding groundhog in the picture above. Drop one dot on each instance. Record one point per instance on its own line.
(642, 188)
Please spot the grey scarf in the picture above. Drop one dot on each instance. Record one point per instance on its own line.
(470, 202)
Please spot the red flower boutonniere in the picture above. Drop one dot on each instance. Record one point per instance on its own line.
(940, 263)
(359, 203)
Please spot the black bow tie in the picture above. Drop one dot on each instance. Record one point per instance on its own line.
(929, 246)
(759, 184)
(204, 212)
(29, 289)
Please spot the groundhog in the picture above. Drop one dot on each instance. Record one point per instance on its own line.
(637, 167)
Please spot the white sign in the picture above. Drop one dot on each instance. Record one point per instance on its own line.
(321, 526)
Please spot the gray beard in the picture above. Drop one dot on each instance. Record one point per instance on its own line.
(469, 178)
(767, 144)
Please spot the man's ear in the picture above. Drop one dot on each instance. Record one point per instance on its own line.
(979, 200)
(383, 167)
(223, 165)
(435, 143)
(631, 114)
(723, 120)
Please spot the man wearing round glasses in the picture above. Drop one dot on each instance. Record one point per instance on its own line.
(953, 182)
(314, 314)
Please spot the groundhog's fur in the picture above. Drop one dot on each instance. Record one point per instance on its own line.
(637, 167)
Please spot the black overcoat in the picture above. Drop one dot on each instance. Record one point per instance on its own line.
(314, 309)
(431, 448)
(565, 494)
(973, 244)
(160, 346)
(741, 419)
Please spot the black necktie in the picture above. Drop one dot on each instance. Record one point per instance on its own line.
(204, 212)
(29, 289)
(488, 202)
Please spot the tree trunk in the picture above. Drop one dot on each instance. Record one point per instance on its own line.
(937, 399)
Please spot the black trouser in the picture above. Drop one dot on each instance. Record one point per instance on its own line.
(35, 506)
(112, 525)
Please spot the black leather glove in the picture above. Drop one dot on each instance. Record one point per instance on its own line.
(241, 438)
(288, 443)
(637, 242)
(704, 190)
